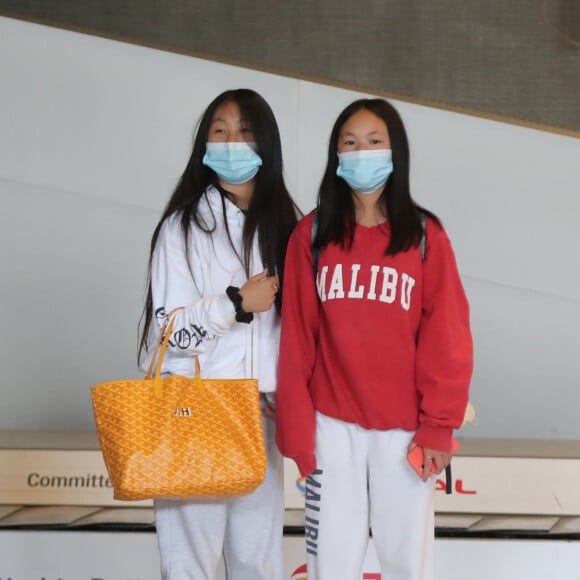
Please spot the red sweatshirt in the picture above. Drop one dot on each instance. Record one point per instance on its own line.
(379, 341)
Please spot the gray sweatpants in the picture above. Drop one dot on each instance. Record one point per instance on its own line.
(246, 530)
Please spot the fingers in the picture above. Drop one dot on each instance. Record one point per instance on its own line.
(445, 461)
(273, 281)
(259, 292)
(263, 275)
(434, 462)
(272, 285)
(427, 465)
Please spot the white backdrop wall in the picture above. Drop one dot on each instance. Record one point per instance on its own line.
(93, 137)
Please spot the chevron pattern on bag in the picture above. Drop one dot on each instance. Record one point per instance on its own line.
(200, 438)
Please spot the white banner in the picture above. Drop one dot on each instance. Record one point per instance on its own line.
(491, 485)
(56, 477)
(31, 555)
(484, 485)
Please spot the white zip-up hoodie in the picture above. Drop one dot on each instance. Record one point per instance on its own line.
(207, 325)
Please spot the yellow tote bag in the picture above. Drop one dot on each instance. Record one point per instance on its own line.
(178, 437)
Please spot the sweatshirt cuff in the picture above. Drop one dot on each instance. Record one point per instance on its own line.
(225, 312)
(438, 438)
(306, 464)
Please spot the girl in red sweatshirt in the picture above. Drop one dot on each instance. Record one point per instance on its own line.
(375, 356)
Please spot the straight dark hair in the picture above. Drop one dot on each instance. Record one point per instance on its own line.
(335, 207)
(271, 214)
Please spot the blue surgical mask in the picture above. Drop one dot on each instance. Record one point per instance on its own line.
(366, 170)
(234, 162)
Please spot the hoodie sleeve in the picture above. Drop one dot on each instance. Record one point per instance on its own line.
(295, 415)
(177, 282)
(444, 362)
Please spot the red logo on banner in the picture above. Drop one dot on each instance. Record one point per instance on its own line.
(301, 574)
(440, 486)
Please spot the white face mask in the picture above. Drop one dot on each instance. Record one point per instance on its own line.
(366, 170)
(234, 162)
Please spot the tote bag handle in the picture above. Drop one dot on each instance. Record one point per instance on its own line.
(159, 353)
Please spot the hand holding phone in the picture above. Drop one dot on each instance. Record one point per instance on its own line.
(417, 461)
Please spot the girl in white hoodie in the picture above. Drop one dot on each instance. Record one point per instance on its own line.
(218, 253)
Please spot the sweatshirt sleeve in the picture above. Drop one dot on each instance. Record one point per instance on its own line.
(444, 362)
(295, 414)
(178, 283)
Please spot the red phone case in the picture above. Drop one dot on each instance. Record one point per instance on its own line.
(415, 458)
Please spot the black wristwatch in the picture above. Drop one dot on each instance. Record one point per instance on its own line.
(241, 315)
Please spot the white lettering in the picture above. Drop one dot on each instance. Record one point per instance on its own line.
(391, 284)
(389, 290)
(406, 289)
(361, 289)
(321, 283)
(336, 289)
(373, 285)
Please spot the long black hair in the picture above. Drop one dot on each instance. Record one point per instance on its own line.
(271, 213)
(335, 207)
